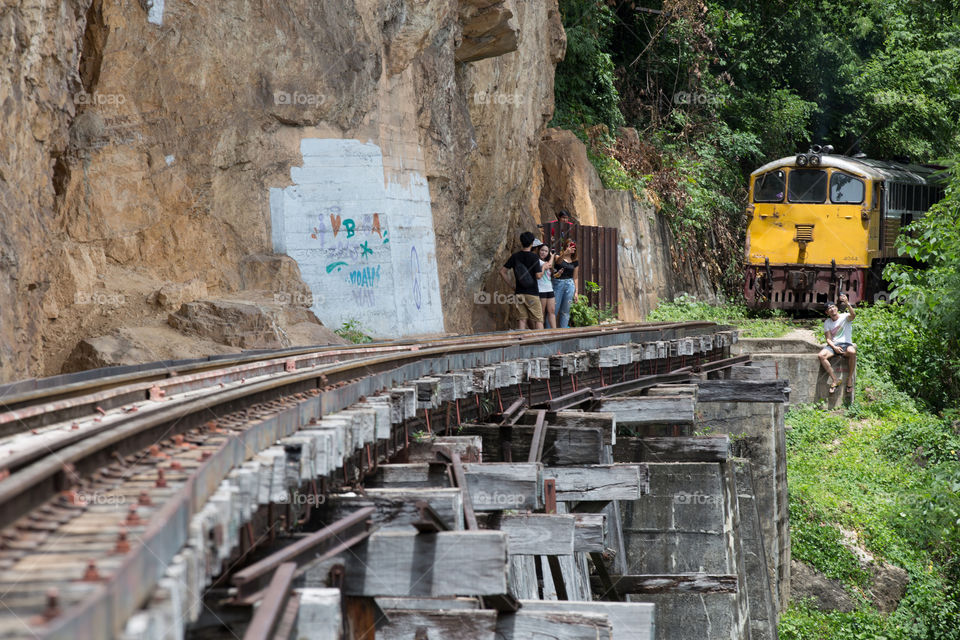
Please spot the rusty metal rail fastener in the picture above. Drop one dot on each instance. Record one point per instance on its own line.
(326, 542)
(273, 606)
(717, 365)
(430, 521)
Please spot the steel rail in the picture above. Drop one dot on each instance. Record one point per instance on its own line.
(63, 403)
(127, 394)
(12, 400)
(266, 617)
(19, 492)
(340, 384)
(48, 412)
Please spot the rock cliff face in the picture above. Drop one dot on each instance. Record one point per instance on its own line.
(167, 153)
(567, 180)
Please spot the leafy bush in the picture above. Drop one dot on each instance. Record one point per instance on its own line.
(612, 174)
(818, 544)
(886, 471)
(803, 622)
(352, 330)
(915, 356)
(585, 314)
(929, 314)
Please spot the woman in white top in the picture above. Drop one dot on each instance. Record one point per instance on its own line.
(545, 285)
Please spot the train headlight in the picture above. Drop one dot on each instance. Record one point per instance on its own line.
(814, 160)
(801, 160)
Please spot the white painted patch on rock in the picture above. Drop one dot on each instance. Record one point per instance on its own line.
(363, 239)
(155, 13)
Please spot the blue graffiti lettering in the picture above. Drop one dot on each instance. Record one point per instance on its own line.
(415, 276)
(363, 297)
(366, 277)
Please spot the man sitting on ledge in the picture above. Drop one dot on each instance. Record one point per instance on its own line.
(838, 329)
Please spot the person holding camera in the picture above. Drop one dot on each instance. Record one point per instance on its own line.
(526, 271)
(566, 269)
(838, 329)
(545, 284)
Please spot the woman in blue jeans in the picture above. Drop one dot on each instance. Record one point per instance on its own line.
(566, 268)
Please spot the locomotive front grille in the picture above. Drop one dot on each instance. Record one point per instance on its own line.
(804, 233)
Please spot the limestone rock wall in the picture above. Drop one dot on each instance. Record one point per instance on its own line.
(567, 180)
(164, 153)
(149, 142)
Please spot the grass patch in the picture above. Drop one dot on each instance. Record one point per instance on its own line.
(882, 470)
(753, 324)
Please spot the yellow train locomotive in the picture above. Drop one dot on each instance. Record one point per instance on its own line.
(821, 224)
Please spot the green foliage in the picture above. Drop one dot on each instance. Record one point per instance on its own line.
(933, 513)
(717, 87)
(352, 330)
(612, 173)
(929, 313)
(585, 314)
(819, 545)
(753, 324)
(802, 622)
(584, 86)
(886, 472)
(917, 357)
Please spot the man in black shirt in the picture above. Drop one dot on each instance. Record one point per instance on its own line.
(526, 272)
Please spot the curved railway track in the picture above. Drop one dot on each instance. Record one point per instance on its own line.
(58, 441)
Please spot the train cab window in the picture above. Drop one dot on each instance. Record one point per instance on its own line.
(769, 187)
(845, 189)
(807, 186)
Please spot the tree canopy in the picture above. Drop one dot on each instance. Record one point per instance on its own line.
(716, 87)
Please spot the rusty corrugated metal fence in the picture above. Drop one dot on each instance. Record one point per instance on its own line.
(597, 253)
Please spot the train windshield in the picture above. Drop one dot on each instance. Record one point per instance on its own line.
(845, 189)
(769, 187)
(807, 186)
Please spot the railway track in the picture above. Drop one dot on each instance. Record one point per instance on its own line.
(102, 478)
